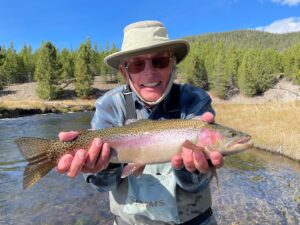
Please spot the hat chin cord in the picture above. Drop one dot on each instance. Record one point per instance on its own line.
(166, 92)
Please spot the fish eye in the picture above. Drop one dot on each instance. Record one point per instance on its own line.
(231, 133)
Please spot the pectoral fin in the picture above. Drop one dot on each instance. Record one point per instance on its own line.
(132, 168)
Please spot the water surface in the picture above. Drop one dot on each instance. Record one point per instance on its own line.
(255, 187)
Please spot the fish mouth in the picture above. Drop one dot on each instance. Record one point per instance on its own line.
(243, 140)
(238, 145)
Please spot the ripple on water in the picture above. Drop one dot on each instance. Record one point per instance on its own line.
(265, 195)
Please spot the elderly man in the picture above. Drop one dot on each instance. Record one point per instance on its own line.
(172, 193)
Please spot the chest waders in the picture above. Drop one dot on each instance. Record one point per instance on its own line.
(174, 113)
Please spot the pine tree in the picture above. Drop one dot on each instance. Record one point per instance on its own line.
(47, 72)
(194, 72)
(2, 55)
(219, 82)
(94, 65)
(83, 72)
(27, 59)
(67, 62)
(2, 58)
(246, 73)
(267, 68)
(11, 68)
(232, 65)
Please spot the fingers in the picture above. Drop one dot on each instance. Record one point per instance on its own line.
(103, 160)
(200, 161)
(64, 163)
(195, 160)
(216, 159)
(176, 162)
(206, 117)
(91, 161)
(93, 153)
(72, 164)
(77, 163)
(188, 159)
(68, 136)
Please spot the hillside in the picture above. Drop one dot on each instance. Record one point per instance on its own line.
(250, 39)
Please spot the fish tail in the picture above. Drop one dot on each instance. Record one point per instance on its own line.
(35, 152)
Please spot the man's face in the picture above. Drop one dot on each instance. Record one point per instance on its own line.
(149, 73)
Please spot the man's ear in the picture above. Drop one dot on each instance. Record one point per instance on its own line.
(123, 72)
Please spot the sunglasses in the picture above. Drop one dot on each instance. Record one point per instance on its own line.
(138, 65)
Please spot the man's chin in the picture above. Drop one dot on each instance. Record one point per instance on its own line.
(151, 97)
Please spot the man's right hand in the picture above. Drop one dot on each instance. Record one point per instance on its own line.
(91, 160)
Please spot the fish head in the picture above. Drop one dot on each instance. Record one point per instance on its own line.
(224, 139)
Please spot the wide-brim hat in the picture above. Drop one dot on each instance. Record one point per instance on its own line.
(145, 37)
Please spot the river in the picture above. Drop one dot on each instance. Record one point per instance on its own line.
(255, 187)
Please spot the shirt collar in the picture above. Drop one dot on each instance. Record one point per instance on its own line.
(166, 104)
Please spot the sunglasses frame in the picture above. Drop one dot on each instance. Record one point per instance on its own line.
(126, 64)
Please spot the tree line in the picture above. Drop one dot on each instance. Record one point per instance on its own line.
(50, 67)
(220, 63)
(249, 62)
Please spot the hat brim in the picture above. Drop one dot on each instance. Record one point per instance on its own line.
(180, 49)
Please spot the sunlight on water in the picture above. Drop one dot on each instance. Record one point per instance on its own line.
(255, 187)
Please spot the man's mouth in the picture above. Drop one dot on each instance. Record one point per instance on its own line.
(151, 85)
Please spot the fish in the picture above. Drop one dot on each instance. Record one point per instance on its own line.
(136, 144)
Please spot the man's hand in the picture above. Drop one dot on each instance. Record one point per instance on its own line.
(93, 160)
(196, 160)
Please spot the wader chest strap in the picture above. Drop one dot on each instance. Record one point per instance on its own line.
(129, 104)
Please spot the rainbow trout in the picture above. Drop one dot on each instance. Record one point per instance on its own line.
(139, 143)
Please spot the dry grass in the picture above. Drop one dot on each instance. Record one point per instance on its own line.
(56, 106)
(273, 126)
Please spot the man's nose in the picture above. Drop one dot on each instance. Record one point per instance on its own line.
(149, 68)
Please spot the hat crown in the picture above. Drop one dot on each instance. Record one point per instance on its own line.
(143, 34)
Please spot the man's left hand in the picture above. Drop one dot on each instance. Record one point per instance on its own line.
(196, 160)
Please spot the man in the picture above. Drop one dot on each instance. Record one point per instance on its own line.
(173, 193)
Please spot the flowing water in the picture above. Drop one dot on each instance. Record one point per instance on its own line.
(255, 187)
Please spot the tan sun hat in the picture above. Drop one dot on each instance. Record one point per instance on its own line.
(144, 37)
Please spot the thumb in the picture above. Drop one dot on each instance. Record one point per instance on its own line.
(68, 136)
(206, 117)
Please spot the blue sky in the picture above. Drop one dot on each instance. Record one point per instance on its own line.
(67, 23)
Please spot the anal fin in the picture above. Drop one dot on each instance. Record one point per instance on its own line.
(35, 171)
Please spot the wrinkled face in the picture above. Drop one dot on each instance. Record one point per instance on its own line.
(149, 73)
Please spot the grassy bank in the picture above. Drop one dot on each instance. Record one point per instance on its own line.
(274, 126)
(11, 108)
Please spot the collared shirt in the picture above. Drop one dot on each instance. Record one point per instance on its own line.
(110, 111)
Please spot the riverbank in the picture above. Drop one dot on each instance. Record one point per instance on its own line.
(21, 100)
(274, 127)
(14, 108)
(272, 119)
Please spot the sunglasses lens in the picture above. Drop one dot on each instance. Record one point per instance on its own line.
(160, 62)
(138, 66)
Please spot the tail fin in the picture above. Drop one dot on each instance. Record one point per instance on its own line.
(35, 152)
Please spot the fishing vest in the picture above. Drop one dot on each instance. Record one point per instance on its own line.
(156, 199)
